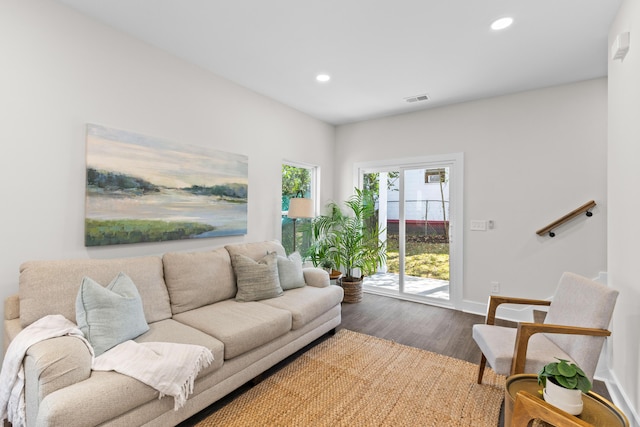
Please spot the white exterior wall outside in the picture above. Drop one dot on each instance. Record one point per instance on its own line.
(417, 209)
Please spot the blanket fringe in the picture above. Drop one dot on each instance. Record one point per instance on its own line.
(204, 360)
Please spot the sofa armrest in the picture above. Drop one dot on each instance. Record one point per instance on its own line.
(11, 329)
(316, 277)
(12, 307)
(51, 365)
(11, 320)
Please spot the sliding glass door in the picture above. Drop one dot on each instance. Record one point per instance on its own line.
(414, 202)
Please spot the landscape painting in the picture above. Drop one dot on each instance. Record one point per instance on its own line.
(145, 189)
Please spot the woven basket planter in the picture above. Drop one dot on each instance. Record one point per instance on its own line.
(352, 291)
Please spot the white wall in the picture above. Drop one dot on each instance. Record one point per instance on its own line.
(529, 159)
(60, 70)
(624, 204)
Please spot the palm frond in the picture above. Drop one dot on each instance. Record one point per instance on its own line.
(350, 241)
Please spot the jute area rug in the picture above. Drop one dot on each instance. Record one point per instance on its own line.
(352, 379)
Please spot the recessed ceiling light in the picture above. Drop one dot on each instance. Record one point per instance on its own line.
(502, 23)
(323, 78)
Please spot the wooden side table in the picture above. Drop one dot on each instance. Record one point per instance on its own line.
(597, 410)
(334, 277)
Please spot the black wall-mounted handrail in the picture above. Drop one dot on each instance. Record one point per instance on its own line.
(568, 217)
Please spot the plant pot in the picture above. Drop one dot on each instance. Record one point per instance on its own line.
(352, 289)
(568, 400)
(334, 274)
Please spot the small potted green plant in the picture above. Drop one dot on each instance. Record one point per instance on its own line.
(318, 253)
(564, 382)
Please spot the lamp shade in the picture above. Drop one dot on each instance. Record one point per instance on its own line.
(300, 208)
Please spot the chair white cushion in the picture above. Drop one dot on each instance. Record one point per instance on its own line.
(497, 344)
(579, 301)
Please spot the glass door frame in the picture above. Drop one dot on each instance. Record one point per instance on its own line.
(455, 163)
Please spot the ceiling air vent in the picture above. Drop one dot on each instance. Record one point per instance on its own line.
(417, 98)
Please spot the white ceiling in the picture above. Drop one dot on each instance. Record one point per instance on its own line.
(378, 52)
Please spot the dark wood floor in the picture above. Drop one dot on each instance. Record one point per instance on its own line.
(435, 329)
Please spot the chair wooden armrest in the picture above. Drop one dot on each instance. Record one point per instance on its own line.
(528, 407)
(496, 300)
(526, 330)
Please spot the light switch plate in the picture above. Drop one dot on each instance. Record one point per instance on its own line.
(478, 225)
(495, 287)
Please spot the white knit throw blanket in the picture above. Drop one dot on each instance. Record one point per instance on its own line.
(167, 367)
(12, 404)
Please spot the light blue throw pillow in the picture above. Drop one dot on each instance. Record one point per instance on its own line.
(290, 271)
(110, 315)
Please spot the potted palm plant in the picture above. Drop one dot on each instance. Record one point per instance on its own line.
(350, 241)
(564, 383)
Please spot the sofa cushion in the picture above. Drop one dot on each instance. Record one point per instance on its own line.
(256, 250)
(256, 280)
(173, 331)
(308, 303)
(98, 399)
(241, 326)
(197, 279)
(50, 287)
(108, 316)
(290, 271)
(317, 277)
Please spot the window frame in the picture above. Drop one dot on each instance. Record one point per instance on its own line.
(314, 188)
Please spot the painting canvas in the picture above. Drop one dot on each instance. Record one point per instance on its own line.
(145, 189)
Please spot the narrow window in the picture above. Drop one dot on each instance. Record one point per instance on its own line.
(298, 181)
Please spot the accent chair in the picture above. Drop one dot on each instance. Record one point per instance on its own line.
(574, 328)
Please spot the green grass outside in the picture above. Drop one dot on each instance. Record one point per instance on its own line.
(423, 259)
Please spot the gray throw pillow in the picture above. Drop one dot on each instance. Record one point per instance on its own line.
(110, 315)
(256, 280)
(290, 271)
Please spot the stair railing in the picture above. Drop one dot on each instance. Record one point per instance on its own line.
(568, 217)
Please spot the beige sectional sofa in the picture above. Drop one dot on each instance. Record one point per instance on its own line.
(187, 298)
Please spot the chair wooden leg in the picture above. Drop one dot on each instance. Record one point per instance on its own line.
(483, 363)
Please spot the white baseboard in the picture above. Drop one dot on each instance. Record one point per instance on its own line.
(604, 373)
(620, 398)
